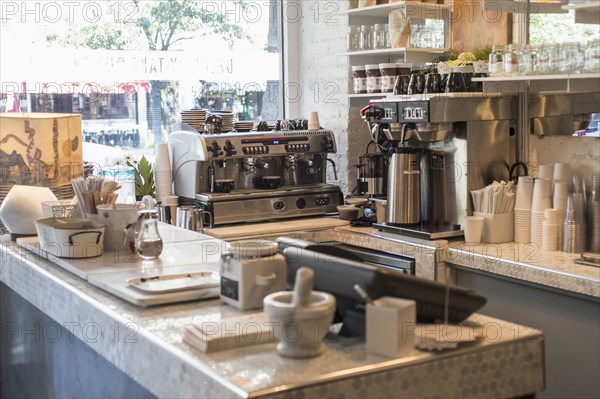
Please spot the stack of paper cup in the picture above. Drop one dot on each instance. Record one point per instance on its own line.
(562, 173)
(550, 230)
(522, 215)
(542, 200)
(162, 171)
(313, 121)
(546, 171)
(559, 201)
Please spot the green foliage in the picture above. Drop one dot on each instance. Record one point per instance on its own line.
(144, 177)
(482, 53)
(562, 27)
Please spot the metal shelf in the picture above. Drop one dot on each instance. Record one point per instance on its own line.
(413, 10)
(575, 83)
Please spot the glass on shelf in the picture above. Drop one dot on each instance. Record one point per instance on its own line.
(495, 65)
(510, 60)
(526, 60)
(380, 36)
(547, 59)
(366, 37)
(353, 38)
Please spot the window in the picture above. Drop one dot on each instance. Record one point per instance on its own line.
(130, 67)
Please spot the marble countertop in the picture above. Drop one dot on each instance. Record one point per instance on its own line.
(526, 262)
(146, 344)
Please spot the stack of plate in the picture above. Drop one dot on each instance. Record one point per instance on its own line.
(227, 117)
(243, 126)
(195, 118)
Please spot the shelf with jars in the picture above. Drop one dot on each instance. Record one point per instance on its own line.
(571, 66)
(401, 33)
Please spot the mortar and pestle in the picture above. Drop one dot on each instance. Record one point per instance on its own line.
(300, 318)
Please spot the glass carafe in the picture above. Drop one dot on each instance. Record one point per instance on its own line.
(148, 242)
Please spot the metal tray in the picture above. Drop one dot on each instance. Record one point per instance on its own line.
(175, 282)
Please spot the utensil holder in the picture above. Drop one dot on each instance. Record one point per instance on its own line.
(497, 227)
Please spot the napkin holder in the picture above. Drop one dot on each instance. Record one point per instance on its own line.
(497, 227)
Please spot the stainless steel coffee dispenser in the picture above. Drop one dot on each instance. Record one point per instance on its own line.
(404, 187)
(460, 142)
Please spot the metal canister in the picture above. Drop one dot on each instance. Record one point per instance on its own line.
(404, 187)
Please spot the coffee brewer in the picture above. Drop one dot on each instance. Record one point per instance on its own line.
(372, 175)
(440, 147)
(254, 176)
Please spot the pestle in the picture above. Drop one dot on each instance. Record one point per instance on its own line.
(303, 287)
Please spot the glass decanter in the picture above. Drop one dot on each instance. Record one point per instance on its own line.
(148, 242)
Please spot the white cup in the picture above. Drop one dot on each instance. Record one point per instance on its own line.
(546, 171)
(542, 195)
(117, 217)
(562, 172)
(313, 121)
(473, 229)
(524, 192)
(389, 321)
(161, 157)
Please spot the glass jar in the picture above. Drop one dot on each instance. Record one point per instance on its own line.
(495, 65)
(527, 60)
(366, 37)
(592, 56)
(373, 78)
(380, 36)
(353, 38)
(570, 58)
(359, 79)
(148, 243)
(510, 60)
(388, 77)
(547, 59)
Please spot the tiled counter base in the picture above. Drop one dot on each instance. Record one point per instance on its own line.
(507, 362)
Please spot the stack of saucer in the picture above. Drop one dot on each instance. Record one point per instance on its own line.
(243, 126)
(162, 171)
(227, 118)
(550, 230)
(542, 200)
(522, 216)
(195, 118)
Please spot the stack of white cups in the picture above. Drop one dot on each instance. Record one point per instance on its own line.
(559, 202)
(162, 171)
(550, 230)
(546, 172)
(522, 214)
(542, 200)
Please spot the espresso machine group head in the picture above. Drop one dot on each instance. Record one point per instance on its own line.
(272, 175)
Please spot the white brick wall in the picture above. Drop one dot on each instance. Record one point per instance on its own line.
(324, 79)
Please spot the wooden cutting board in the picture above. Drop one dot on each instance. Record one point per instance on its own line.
(473, 26)
(287, 226)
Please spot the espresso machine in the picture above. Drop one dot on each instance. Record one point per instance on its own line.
(440, 147)
(260, 175)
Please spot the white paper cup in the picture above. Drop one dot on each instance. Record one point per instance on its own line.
(473, 229)
(313, 121)
(542, 195)
(524, 192)
(562, 172)
(161, 157)
(546, 171)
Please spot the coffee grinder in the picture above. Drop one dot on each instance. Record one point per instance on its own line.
(372, 175)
